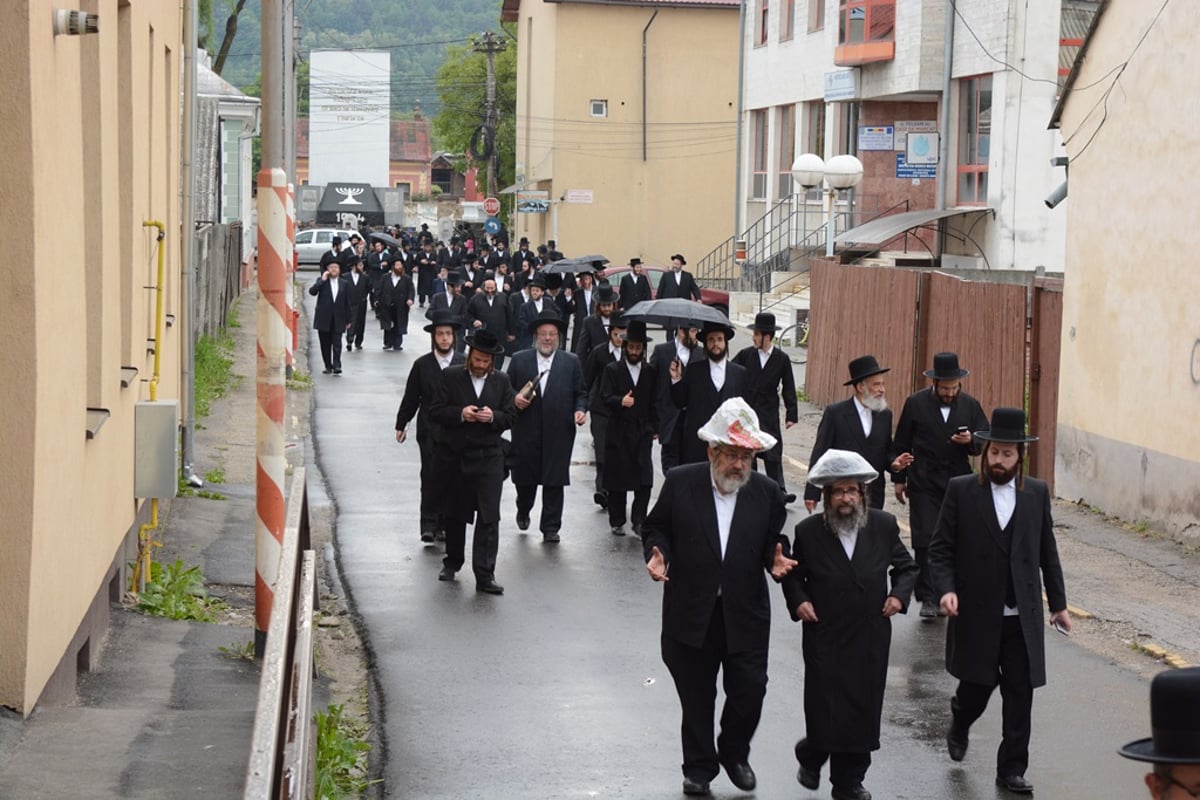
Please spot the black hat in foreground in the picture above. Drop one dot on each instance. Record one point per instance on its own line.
(1008, 426)
(485, 341)
(864, 367)
(714, 327)
(606, 295)
(764, 322)
(1174, 720)
(443, 317)
(635, 331)
(548, 316)
(945, 368)
(682, 261)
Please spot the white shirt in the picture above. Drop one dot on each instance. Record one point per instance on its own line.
(679, 277)
(682, 353)
(725, 504)
(538, 303)
(848, 541)
(864, 416)
(443, 362)
(334, 285)
(635, 371)
(1004, 497)
(763, 355)
(616, 352)
(945, 413)
(395, 279)
(587, 301)
(716, 370)
(544, 365)
(354, 277)
(478, 384)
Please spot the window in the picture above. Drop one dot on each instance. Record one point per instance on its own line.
(974, 139)
(764, 17)
(814, 127)
(866, 31)
(759, 143)
(442, 178)
(787, 26)
(304, 237)
(599, 108)
(816, 15)
(787, 149)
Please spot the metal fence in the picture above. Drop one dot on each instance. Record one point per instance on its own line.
(218, 260)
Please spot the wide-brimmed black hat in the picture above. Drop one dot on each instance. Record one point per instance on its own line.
(606, 294)
(454, 278)
(538, 280)
(443, 317)
(554, 280)
(764, 322)
(712, 327)
(945, 368)
(864, 367)
(1174, 720)
(633, 262)
(635, 331)
(682, 261)
(485, 341)
(617, 320)
(1008, 426)
(548, 315)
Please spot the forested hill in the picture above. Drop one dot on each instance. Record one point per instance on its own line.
(415, 32)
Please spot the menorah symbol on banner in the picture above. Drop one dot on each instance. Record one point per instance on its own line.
(349, 192)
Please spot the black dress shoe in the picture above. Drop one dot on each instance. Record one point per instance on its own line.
(741, 776)
(447, 574)
(551, 537)
(851, 793)
(956, 741)
(600, 499)
(637, 529)
(337, 370)
(809, 778)
(789, 498)
(522, 523)
(693, 787)
(327, 371)
(440, 535)
(1015, 784)
(618, 530)
(489, 586)
(427, 537)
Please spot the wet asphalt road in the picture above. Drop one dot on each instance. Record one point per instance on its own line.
(556, 689)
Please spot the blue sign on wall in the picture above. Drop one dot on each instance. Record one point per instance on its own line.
(904, 170)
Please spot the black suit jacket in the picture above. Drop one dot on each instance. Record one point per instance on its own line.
(544, 433)
(423, 378)
(331, 315)
(699, 399)
(922, 432)
(634, 289)
(593, 367)
(497, 317)
(683, 526)
(628, 464)
(440, 303)
(669, 417)
(972, 556)
(360, 291)
(841, 429)
(763, 386)
(591, 335)
(686, 286)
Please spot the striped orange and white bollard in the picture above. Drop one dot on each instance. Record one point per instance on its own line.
(290, 280)
(273, 315)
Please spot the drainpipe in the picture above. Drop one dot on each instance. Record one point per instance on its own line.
(141, 570)
(737, 155)
(187, 188)
(644, 30)
(944, 124)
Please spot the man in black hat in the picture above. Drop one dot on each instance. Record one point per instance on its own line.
(862, 423)
(331, 315)
(1174, 744)
(427, 266)
(682, 348)
(423, 378)
(551, 403)
(627, 392)
(699, 390)
(932, 445)
(334, 253)
(595, 327)
(552, 251)
(451, 300)
(530, 310)
(582, 304)
(522, 253)
(593, 367)
(768, 371)
(558, 299)
(678, 282)
(473, 404)
(993, 536)
(360, 286)
(393, 298)
(378, 262)
(635, 286)
(489, 309)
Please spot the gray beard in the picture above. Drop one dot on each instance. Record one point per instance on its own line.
(847, 525)
(873, 403)
(730, 485)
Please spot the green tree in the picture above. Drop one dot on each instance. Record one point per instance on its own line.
(462, 92)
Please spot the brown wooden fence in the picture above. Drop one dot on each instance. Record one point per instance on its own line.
(903, 317)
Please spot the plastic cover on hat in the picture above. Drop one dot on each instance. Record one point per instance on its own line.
(841, 465)
(735, 424)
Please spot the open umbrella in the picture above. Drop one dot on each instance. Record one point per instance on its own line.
(590, 263)
(387, 239)
(672, 312)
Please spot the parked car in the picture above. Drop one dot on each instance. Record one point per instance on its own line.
(717, 298)
(311, 243)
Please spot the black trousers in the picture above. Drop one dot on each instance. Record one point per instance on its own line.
(773, 468)
(331, 348)
(616, 506)
(431, 513)
(669, 453)
(846, 770)
(552, 505)
(923, 510)
(393, 336)
(1016, 693)
(694, 671)
(599, 442)
(484, 547)
(355, 335)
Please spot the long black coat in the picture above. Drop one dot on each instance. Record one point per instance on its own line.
(360, 291)
(593, 367)
(634, 289)
(670, 418)
(683, 526)
(762, 393)
(700, 399)
(685, 287)
(841, 429)
(392, 298)
(846, 650)
(330, 314)
(592, 333)
(628, 459)
(971, 555)
(527, 312)
(496, 317)
(423, 378)
(544, 433)
(582, 307)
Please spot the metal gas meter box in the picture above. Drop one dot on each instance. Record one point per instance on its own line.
(156, 448)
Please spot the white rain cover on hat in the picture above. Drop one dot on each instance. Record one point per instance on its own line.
(735, 424)
(841, 465)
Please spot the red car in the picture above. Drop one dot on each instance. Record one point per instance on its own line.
(716, 298)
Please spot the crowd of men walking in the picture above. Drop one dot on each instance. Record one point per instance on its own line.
(522, 354)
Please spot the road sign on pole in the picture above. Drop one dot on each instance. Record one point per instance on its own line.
(492, 226)
(491, 206)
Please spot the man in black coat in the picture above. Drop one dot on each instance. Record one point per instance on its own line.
(768, 370)
(333, 254)
(332, 315)
(594, 329)
(627, 393)
(839, 589)
(393, 298)
(529, 311)
(360, 286)
(488, 309)
(678, 282)
(635, 286)
(701, 388)
(378, 262)
(714, 530)
(683, 348)
(593, 367)
(522, 253)
(582, 305)
(551, 402)
(427, 267)
(451, 299)
(863, 423)
(932, 445)
(994, 535)
(423, 378)
(473, 404)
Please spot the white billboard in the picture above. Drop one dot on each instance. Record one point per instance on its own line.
(348, 118)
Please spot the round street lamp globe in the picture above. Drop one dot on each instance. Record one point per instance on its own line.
(808, 170)
(843, 172)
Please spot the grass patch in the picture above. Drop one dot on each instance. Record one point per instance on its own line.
(185, 489)
(176, 591)
(300, 380)
(802, 396)
(341, 755)
(231, 317)
(214, 371)
(215, 475)
(238, 650)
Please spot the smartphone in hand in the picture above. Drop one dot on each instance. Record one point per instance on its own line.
(1058, 627)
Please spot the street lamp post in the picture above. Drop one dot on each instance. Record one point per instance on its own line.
(839, 173)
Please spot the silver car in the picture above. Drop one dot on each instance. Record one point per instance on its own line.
(312, 243)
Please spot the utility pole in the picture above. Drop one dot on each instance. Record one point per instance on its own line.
(489, 44)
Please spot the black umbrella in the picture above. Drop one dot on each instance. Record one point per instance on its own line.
(591, 263)
(387, 239)
(672, 312)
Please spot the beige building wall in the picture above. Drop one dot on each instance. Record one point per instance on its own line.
(658, 188)
(91, 143)
(1129, 397)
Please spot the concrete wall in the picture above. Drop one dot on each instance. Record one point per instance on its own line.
(1130, 382)
(92, 149)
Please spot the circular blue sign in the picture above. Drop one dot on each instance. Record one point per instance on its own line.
(492, 226)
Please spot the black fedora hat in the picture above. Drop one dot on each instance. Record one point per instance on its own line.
(548, 316)
(864, 367)
(1174, 720)
(617, 320)
(682, 261)
(454, 279)
(485, 341)
(713, 327)
(443, 317)
(635, 331)
(945, 368)
(606, 294)
(633, 262)
(538, 280)
(764, 322)
(1008, 426)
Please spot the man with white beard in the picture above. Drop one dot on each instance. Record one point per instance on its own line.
(861, 424)
(840, 590)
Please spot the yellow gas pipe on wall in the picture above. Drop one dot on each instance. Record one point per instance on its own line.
(141, 569)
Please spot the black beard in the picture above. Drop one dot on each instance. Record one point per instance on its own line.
(633, 359)
(715, 356)
(1000, 476)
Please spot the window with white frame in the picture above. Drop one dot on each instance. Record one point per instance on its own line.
(814, 127)
(816, 15)
(758, 127)
(764, 18)
(599, 108)
(787, 22)
(786, 141)
(974, 139)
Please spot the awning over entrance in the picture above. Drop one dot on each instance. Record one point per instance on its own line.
(880, 230)
(357, 199)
